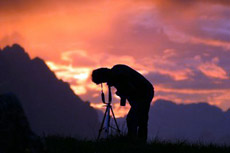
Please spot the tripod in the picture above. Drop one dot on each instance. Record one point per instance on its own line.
(107, 117)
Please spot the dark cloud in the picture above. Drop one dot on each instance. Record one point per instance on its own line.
(19, 5)
(209, 23)
(28, 6)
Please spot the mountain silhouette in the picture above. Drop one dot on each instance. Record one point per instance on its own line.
(49, 103)
(198, 122)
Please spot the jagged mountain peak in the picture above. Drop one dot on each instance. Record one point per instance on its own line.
(15, 48)
(14, 53)
(49, 103)
(163, 102)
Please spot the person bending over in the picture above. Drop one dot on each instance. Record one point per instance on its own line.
(134, 87)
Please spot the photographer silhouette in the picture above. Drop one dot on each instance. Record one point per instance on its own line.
(134, 87)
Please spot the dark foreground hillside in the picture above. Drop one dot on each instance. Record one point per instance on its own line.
(123, 145)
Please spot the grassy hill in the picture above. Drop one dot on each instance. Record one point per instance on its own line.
(56, 144)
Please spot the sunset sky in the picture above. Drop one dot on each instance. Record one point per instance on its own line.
(181, 46)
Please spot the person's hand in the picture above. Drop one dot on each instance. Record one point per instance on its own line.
(118, 94)
(123, 98)
(123, 101)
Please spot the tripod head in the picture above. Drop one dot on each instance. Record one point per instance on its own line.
(109, 95)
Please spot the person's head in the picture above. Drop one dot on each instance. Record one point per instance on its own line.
(100, 75)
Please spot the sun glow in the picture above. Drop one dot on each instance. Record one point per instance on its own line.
(82, 76)
(120, 111)
(77, 77)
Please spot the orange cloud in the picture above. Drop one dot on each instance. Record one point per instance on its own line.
(213, 71)
(119, 111)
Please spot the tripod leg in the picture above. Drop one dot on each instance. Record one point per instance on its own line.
(107, 120)
(102, 124)
(115, 121)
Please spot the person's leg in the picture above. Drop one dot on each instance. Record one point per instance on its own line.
(143, 122)
(132, 122)
(143, 115)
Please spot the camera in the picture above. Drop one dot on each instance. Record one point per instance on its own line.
(123, 101)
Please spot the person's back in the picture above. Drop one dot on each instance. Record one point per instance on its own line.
(130, 82)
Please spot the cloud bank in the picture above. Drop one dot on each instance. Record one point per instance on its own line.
(182, 47)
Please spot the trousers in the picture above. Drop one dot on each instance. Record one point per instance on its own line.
(137, 118)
